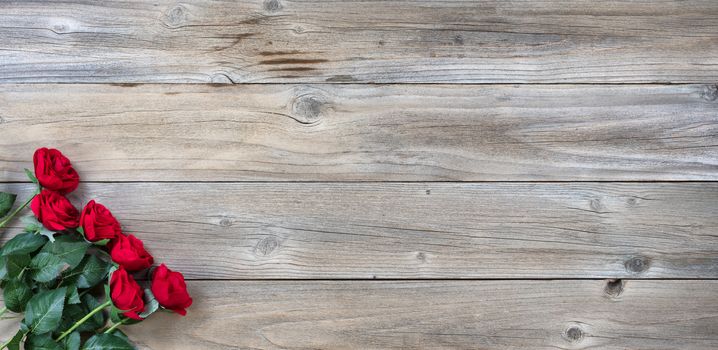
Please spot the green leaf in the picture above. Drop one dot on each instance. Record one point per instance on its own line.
(47, 233)
(3, 267)
(119, 333)
(98, 319)
(116, 314)
(72, 341)
(151, 304)
(41, 342)
(107, 342)
(46, 267)
(73, 297)
(14, 343)
(16, 294)
(92, 271)
(6, 202)
(23, 326)
(73, 313)
(44, 310)
(31, 176)
(16, 264)
(34, 226)
(102, 242)
(31, 223)
(67, 249)
(23, 243)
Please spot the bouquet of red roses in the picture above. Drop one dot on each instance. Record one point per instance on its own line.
(71, 271)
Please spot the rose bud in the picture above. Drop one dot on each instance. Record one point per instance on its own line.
(54, 211)
(98, 223)
(130, 253)
(54, 171)
(126, 294)
(170, 290)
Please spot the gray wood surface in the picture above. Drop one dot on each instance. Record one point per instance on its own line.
(411, 174)
(568, 314)
(359, 41)
(365, 132)
(420, 230)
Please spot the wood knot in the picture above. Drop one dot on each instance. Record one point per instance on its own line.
(637, 264)
(2, 120)
(299, 30)
(614, 288)
(272, 5)
(266, 246)
(710, 92)
(458, 39)
(60, 28)
(176, 16)
(573, 334)
(308, 109)
(596, 205)
(421, 257)
(225, 222)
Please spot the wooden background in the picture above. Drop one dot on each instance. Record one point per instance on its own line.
(390, 174)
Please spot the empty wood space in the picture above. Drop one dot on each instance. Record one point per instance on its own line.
(420, 174)
(437, 41)
(366, 132)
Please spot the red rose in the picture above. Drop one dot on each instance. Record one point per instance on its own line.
(126, 294)
(54, 171)
(130, 253)
(98, 223)
(54, 211)
(170, 290)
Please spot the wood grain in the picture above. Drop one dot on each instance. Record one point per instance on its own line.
(571, 314)
(365, 132)
(419, 230)
(490, 41)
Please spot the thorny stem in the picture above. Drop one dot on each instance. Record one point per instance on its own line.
(114, 326)
(82, 320)
(9, 217)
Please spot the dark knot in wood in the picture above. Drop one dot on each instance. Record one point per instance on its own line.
(272, 5)
(308, 109)
(176, 16)
(614, 288)
(637, 264)
(573, 334)
(266, 246)
(710, 92)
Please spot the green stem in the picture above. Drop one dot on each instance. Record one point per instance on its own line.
(109, 330)
(7, 219)
(3, 310)
(82, 320)
(5, 344)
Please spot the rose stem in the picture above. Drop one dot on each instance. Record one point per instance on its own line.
(109, 330)
(7, 219)
(82, 320)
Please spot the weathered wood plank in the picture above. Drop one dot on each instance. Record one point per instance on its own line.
(571, 314)
(420, 230)
(365, 132)
(369, 41)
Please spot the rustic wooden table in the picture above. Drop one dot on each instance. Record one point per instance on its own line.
(390, 174)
